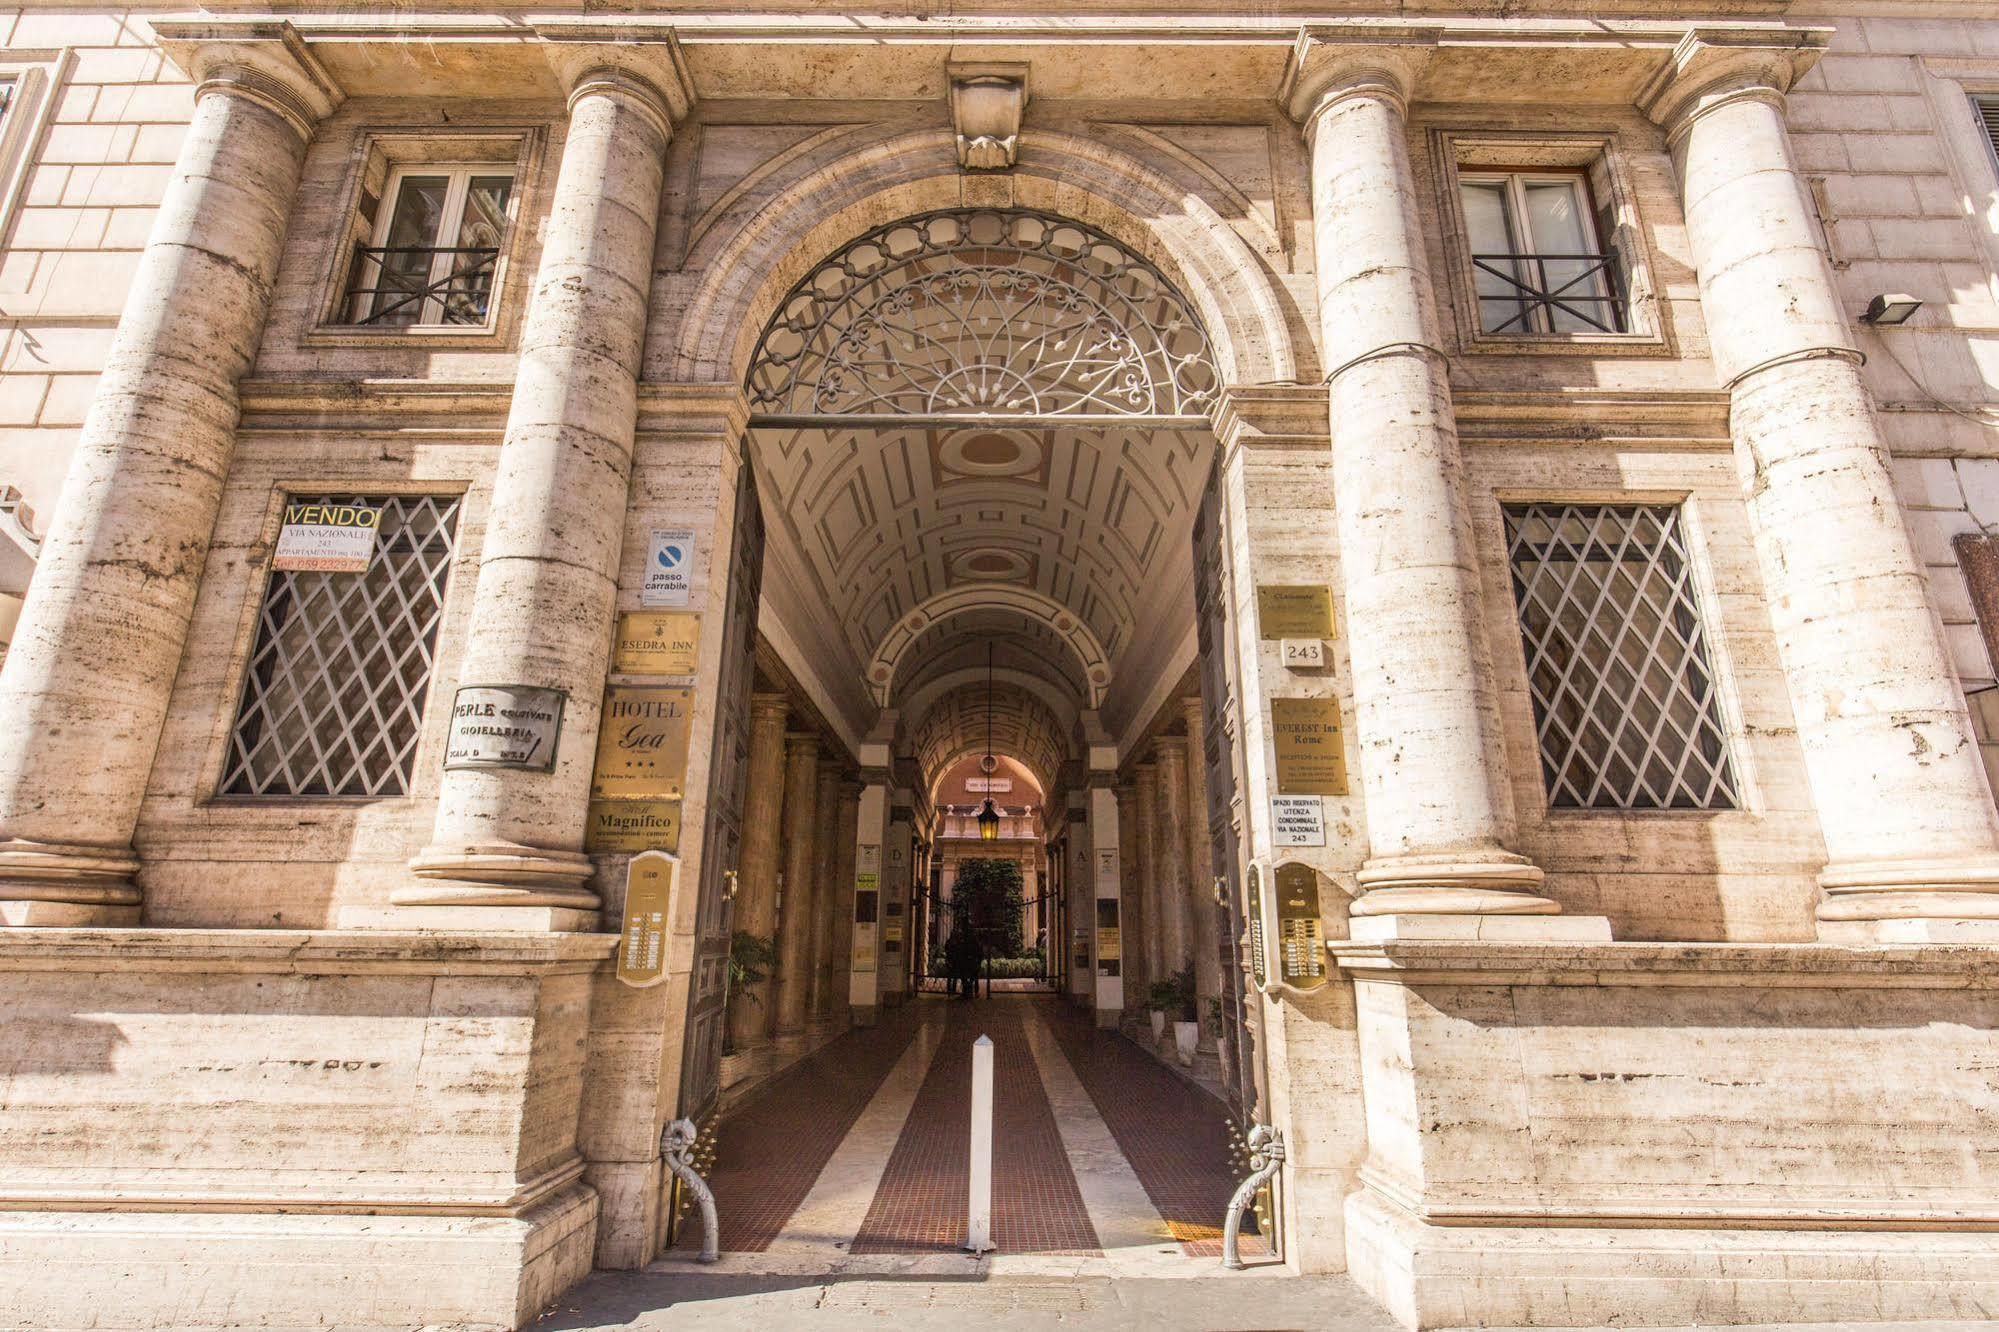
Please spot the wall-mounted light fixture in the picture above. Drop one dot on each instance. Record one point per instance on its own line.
(1891, 308)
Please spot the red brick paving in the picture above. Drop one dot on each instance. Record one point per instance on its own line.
(1175, 1136)
(770, 1149)
(1037, 1208)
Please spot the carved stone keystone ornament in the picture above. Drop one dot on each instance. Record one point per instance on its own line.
(986, 106)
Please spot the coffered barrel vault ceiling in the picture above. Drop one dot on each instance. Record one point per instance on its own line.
(982, 429)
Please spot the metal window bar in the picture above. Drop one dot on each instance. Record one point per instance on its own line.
(334, 696)
(462, 293)
(1534, 294)
(1626, 707)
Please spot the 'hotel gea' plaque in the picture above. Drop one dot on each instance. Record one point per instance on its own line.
(642, 742)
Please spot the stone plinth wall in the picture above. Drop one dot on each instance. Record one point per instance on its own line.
(382, 1125)
(1571, 1135)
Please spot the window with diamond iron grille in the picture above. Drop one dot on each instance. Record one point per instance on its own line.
(1624, 699)
(333, 699)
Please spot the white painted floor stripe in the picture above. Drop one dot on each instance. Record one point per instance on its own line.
(1134, 1236)
(833, 1212)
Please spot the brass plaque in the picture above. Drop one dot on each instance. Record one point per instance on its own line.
(648, 899)
(1311, 753)
(642, 743)
(1109, 945)
(632, 825)
(656, 643)
(1294, 612)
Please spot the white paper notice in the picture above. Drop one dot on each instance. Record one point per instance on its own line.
(669, 578)
(1298, 821)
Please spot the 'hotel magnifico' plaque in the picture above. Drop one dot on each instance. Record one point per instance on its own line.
(642, 743)
(617, 826)
(1311, 754)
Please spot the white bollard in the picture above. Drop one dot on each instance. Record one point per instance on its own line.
(979, 1215)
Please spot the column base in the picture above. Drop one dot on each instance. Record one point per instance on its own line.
(1480, 926)
(67, 884)
(1495, 883)
(496, 886)
(1910, 902)
(471, 916)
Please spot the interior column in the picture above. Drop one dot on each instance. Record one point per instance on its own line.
(826, 841)
(513, 837)
(1911, 834)
(87, 683)
(1144, 933)
(795, 903)
(750, 1007)
(1205, 938)
(1169, 752)
(847, 818)
(1437, 808)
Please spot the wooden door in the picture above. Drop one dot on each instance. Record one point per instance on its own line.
(721, 842)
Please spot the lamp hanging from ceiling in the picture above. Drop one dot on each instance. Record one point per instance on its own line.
(989, 819)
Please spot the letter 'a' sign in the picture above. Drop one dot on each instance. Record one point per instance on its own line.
(648, 904)
(327, 538)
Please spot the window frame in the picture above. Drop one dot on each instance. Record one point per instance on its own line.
(1729, 726)
(420, 783)
(1519, 223)
(379, 152)
(1601, 160)
(457, 189)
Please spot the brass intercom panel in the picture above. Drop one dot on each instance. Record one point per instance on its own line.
(1287, 938)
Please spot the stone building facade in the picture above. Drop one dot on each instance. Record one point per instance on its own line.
(1481, 495)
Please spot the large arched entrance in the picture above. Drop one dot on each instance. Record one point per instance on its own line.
(981, 440)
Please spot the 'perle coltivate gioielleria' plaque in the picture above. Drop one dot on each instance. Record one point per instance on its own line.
(504, 726)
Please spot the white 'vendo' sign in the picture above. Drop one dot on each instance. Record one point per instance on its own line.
(669, 578)
(327, 538)
(1298, 821)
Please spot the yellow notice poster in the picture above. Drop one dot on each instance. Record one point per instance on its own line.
(1310, 752)
(1294, 612)
(648, 902)
(656, 643)
(642, 743)
(1108, 944)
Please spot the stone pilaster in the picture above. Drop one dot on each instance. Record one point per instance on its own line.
(756, 869)
(826, 843)
(1145, 868)
(1131, 896)
(90, 672)
(548, 570)
(795, 909)
(847, 819)
(1203, 910)
(1437, 808)
(1169, 753)
(1911, 834)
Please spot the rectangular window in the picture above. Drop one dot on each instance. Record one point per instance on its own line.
(435, 248)
(1987, 111)
(1624, 700)
(1538, 261)
(333, 699)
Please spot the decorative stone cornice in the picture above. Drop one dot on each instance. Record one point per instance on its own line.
(1718, 965)
(1714, 65)
(303, 952)
(265, 60)
(1330, 64)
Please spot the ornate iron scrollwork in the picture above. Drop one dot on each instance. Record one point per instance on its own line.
(974, 312)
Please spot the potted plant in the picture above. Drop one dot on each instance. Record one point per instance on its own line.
(751, 957)
(1161, 998)
(1186, 1025)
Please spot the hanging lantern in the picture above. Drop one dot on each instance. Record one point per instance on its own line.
(988, 821)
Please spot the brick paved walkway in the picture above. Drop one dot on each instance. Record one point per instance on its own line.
(859, 1151)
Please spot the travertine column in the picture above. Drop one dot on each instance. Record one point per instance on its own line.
(100, 636)
(1437, 812)
(826, 852)
(1170, 854)
(795, 910)
(1145, 836)
(847, 819)
(1133, 926)
(1910, 829)
(549, 567)
(756, 867)
(1206, 936)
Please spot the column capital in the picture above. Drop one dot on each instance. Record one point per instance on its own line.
(264, 60)
(1330, 65)
(1714, 65)
(639, 62)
